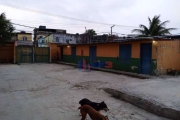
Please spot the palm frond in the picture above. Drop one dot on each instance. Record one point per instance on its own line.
(156, 27)
(149, 20)
(164, 32)
(143, 27)
(164, 23)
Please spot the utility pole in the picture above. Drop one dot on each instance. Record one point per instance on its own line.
(35, 35)
(111, 29)
(85, 29)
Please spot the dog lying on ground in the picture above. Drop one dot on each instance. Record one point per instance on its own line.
(94, 115)
(96, 106)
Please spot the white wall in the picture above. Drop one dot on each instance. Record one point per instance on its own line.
(63, 38)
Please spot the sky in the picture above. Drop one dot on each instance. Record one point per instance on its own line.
(124, 14)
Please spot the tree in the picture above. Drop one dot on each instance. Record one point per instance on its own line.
(6, 28)
(91, 32)
(156, 28)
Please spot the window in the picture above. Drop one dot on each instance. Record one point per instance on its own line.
(125, 53)
(24, 38)
(57, 39)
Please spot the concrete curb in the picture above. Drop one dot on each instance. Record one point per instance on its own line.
(111, 71)
(159, 110)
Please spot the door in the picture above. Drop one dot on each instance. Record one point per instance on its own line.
(125, 53)
(92, 53)
(146, 51)
(73, 52)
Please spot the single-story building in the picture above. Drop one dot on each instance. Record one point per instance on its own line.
(148, 55)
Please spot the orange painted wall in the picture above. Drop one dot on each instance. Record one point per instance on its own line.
(110, 50)
(55, 51)
(136, 47)
(85, 49)
(135, 50)
(66, 50)
(168, 55)
(154, 47)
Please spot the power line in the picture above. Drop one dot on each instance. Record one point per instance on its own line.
(23, 25)
(60, 26)
(60, 16)
(24, 30)
(34, 23)
(41, 22)
(35, 27)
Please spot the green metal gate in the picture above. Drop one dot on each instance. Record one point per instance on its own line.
(41, 54)
(32, 54)
(24, 54)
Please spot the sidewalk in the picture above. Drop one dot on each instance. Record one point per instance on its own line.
(141, 76)
(158, 96)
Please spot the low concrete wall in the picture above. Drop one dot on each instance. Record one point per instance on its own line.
(158, 109)
(110, 71)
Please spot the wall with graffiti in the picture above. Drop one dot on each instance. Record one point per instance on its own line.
(107, 56)
(82, 64)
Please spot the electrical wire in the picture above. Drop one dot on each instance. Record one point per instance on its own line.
(59, 16)
(66, 27)
(23, 25)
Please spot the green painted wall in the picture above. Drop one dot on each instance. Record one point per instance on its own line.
(128, 67)
(68, 58)
(153, 66)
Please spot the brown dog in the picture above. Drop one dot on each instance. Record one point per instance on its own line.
(94, 115)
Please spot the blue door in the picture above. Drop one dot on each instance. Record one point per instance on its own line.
(92, 53)
(125, 53)
(146, 51)
(73, 52)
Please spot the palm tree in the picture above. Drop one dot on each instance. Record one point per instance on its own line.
(156, 28)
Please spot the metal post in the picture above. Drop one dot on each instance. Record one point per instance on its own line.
(33, 54)
(35, 35)
(111, 29)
